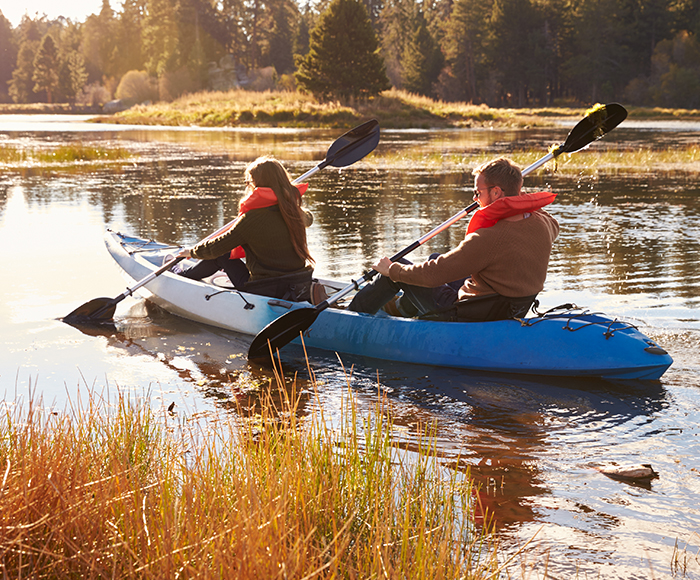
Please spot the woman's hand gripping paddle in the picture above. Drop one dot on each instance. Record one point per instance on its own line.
(346, 150)
(598, 121)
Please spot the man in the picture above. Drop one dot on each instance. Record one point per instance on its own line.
(496, 271)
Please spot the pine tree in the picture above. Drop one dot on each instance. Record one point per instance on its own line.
(46, 64)
(77, 75)
(21, 85)
(128, 33)
(343, 59)
(280, 37)
(463, 46)
(422, 60)
(234, 14)
(8, 56)
(160, 38)
(397, 27)
(301, 36)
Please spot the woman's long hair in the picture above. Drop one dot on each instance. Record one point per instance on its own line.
(268, 172)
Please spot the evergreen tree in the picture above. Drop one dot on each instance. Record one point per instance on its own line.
(202, 38)
(69, 49)
(160, 38)
(464, 48)
(422, 60)
(343, 58)
(600, 51)
(101, 44)
(77, 75)
(21, 86)
(8, 56)
(301, 36)
(107, 43)
(128, 34)
(397, 28)
(46, 63)
(280, 41)
(253, 12)
(233, 13)
(515, 49)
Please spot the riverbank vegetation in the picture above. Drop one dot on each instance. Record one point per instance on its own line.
(62, 158)
(61, 154)
(116, 490)
(393, 109)
(597, 161)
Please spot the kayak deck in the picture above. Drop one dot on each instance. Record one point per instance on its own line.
(568, 342)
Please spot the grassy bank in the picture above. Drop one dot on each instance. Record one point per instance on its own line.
(118, 491)
(393, 109)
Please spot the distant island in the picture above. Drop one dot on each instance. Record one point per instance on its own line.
(394, 109)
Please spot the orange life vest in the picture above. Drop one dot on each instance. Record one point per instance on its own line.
(260, 197)
(511, 205)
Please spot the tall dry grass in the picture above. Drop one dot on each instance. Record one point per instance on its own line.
(393, 109)
(116, 490)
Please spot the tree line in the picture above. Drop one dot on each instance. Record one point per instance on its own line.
(517, 53)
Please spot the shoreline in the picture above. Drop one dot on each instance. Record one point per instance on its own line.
(393, 109)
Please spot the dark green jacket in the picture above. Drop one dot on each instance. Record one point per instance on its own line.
(265, 238)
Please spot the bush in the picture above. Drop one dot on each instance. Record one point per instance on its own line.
(175, 84)
(137, 87)
(94, 95)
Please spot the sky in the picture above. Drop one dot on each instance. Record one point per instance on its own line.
(78, 10)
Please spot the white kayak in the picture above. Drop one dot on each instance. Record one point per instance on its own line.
(563, 342)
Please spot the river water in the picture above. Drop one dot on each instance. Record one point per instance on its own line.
(629, 246)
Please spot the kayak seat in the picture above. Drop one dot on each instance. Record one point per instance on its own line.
(483, 309)
(295, 287)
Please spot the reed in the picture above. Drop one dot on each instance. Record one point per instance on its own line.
(603, 159)
(69, 158)
(116, 490)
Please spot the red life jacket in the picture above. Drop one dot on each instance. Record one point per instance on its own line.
(260, 197)
(511, 205)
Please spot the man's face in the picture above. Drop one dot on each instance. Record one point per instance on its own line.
(484, 193)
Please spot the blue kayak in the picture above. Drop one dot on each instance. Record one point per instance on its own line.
(562, 342)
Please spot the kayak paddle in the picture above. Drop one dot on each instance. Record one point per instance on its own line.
(345, 150)
(599, 120)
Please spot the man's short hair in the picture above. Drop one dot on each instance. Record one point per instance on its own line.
(503, 173)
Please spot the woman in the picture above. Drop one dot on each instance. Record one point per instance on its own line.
(270, 232)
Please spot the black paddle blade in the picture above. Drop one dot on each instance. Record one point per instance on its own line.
(354, 145)
(599, 120)
(97, 310)
(282, 331)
